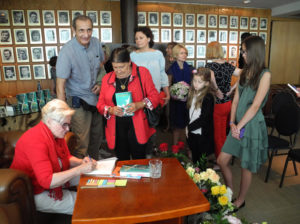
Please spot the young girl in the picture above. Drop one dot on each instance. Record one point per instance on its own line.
(201, 107)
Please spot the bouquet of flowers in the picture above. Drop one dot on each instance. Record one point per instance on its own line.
(179, 91)
(177, 151)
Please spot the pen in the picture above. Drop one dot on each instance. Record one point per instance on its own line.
(90, 158)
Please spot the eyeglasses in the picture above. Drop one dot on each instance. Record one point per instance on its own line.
(64, 125)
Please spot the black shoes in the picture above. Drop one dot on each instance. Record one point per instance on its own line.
(238, 208)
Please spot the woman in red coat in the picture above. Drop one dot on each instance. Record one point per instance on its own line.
(127, 134)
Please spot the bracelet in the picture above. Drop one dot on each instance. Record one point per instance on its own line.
(230, 123)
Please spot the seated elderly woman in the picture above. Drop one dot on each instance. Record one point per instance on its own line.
(42, 153)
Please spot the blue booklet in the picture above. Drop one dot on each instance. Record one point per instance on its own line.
(123, 99)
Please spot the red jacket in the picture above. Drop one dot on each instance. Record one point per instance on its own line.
(142, 130)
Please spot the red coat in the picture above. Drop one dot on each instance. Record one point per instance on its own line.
(142, 130)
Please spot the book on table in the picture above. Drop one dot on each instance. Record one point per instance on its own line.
(104, 167)
(135, 170)
(123, 99)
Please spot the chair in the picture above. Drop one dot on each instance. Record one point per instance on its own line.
(293, 155)
(286, 123)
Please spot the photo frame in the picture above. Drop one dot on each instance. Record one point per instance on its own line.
(141, 19)
(253, 23)
(76, 13)
(244, 23)
(166, 35)
(223, 36)
(49, 71)
(189, 20)
(105, 18)
(7, 54)
(5, 36)
(234, 22)
(263, 24)
(155, 32)
(9, 73)
(39, 71)
(51, 51)
(201, 51)
(189, 36)
(223, 21)
(201, 36)
(35, 36)
(190, 63)
(212, 21)
(201, 20)
(153, 19)
(24, 72)
(22, 54)
(4, 18)
(263, 35)
(48, 18)
(212, 35)
(224, 48)
(165, 19)
(233, 51)
(233, 37)
(200, 63)
(64, 35)
(18, 17)
(93, 16)
(37, 54)
(191, 51)
(33, 17)
(254, 33)
(106, 35)
(50, 36)
(20, 36)
(63, 17)
(95, 32)
(177, 19)
(178, 35)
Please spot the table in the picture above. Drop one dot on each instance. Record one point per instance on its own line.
(168, 198)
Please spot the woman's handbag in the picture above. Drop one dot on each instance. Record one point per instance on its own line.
(152, 115)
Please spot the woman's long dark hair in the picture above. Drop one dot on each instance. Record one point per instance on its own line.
(255, 61)
(147, 31)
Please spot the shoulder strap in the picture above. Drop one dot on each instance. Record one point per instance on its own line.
(138, 73)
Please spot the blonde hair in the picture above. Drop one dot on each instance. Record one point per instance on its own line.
(176, 49)
(56, 110)
(214, 51)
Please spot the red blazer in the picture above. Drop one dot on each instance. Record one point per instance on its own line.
(142, 130)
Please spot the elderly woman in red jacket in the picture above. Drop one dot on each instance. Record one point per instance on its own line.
(127, 134)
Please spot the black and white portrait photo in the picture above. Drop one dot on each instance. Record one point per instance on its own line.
(224, 48)
(234, 21)
(22, 54)
(51, 51)
(232, 51)
(189, 20)
(37, 54)
(212, 35)
(48, 18)
(94, 17)
(5, 36)
(254, 33)
(24, 72)
(106, 35)
(141, 19)
(178, 35)
(20, 36)
(63, 17)
(263, 35)
(33, 17)
(165, 35)
(35, 36)
(223, 36)
(263, 24)
(233, 37)
(76, 13)
(105, 18)
(4, 18)
(153, 18)
(201, 36)
(178, 19)
(39, 72)
(253, 23)
(7, 54)
(9, 73)
(64, 35)
(201, 51)
(18, 17)
(223, 21)
(201, 20)
(200, 63)
(189, 36)
(244, 23)
(166, 19)
(190, 63)
(50, 35)
(155, 32)
(212, 21)
(191, 51)
(95, 33)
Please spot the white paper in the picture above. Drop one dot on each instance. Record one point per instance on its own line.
(104, 167)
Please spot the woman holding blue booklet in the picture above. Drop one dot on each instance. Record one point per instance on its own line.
(121, 102)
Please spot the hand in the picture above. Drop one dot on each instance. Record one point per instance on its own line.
(87, 167)
(117, 111)
(132, 107)
(89, 159)
(219, 94)
(96, 89)
(166, 99)
(235, 132)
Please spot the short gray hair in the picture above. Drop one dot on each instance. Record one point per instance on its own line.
(57, 110)
(82, 18)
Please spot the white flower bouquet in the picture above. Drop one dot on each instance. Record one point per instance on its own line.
(179, 91)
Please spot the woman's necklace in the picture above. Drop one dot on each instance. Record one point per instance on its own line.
(123, 85)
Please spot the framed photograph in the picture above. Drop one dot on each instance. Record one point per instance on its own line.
(263, 24)
(165, 19)
(94, 17)
(165, 35)
(106, 35)
(39, 71)
(212, 35)
(233, 37)
(4, 18)
(223, 21)
(9, 73)
(33, 17)
(177, 19)
(142, 19)
(48, 18)
(201, 20)
(2, 108)
(24, 72)
(244, 23)
(5, 36)
(178, 35)
(253, 23)
(200, 63)
(95, 33)
(155, 32)
(37, 54)
(35, 36)
(201, 51)
(20, 36)
(189, 36)
(18, 17)
(64, 35)
(263, 35)
(224, 48)
(232, 51)
(212, 21)
(22, 54)
(50, 35)
(76, 13)
(153, 19)
(63, 17)
(254, 33)
(191, 51)
(223, 36)
(190, 63)
(234, 22)
(51, 51)
(201, 36)
(189, 20)
(7, 54)
(105, 18)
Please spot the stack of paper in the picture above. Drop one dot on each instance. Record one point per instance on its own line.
(104, 167)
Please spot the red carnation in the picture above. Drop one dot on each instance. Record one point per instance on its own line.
(180, 144)
(163, 147)
(175, 149)
(203, 191)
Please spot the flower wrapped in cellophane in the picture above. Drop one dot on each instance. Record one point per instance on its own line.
(179, 91)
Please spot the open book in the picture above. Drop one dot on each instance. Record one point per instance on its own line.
(104, 167)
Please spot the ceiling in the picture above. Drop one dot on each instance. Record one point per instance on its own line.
(280, 8)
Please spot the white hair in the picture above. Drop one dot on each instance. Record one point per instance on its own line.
(57, 110)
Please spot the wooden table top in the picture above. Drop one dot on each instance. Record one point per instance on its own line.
(173, 195)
